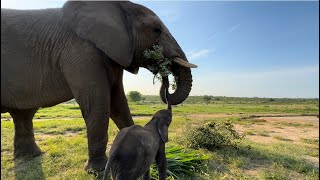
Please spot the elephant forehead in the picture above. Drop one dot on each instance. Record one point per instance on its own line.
(162, 113)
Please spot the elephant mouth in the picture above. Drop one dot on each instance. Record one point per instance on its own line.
(162, 67)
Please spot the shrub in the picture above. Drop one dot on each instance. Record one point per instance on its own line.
(134, 96)
(212, 136)
(206, 99)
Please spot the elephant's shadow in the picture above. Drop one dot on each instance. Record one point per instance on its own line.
(28, 168)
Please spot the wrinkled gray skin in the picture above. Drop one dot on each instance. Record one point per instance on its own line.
(79, 51)
(135, 148)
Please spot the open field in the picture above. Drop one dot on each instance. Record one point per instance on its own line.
(281, 142)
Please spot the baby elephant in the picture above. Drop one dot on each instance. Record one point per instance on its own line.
(135, 149)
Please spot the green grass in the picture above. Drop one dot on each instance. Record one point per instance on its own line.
(65, 155)
(61, 135)
(281, 138)
(310, 141)
(263, 133)
(182, 163)
(73, 110)
(293, 124)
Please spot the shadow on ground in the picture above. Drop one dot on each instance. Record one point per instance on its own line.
(249, 158)
(28, 168)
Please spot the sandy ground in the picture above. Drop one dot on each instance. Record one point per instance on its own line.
(290, 129)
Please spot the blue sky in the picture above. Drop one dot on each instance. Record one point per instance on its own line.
(251, 49)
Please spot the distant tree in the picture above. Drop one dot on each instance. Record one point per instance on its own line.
(206, 99)
(271, 99)
(143, 99)
(134, 96)
(217, 99)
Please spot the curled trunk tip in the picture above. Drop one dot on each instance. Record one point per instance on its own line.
(184, 83)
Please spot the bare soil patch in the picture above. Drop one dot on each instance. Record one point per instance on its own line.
(297, 119)
(291, 129)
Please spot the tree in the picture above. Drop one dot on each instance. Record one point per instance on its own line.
(134, 96)
(206, 99)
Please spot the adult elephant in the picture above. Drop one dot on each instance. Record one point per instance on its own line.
(80, 51)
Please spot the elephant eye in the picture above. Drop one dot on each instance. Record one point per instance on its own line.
(157, 31)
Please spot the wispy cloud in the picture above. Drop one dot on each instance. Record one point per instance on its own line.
(195, 54)
(169, 15)
(233, 28)
(212, 36)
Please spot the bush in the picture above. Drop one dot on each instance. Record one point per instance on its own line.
(134, 96)
(206, 99)
(212, 136)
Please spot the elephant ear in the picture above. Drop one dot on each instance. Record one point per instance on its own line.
(163, 130)
(104, 24)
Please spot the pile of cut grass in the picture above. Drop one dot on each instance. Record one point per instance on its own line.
(181, 163)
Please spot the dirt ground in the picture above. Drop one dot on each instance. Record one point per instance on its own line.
(291, 129)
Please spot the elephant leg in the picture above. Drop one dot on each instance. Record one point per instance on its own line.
(120, 112)
(125, 176)
(89, 83)
(24, 141)
(146, 175)
(96, 114)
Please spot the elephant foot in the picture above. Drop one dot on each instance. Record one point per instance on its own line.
(27, 151)
(96, 165)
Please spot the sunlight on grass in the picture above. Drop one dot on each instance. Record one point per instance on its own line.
(60, 132)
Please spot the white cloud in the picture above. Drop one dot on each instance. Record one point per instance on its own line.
(213, 36)
(233, 28)
(195, 54)
(170, 16)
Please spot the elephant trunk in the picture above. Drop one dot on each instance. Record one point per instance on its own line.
(183, 79)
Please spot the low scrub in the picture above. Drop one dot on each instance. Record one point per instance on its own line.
(212, 136)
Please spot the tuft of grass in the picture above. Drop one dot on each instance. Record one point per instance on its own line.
(263, 133)
(281, 138)
(277, 171)
(294, 124)
(249, 132)
(310, 141)
(181, 163)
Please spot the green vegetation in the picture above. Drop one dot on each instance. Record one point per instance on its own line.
(160, 65)
(212, 136)
(181, 163)
(195, 105)
(310, 141)
(281, 138)
(293, 124)
(207, 99)
(263, 133)
(61, 134)
(134, 96)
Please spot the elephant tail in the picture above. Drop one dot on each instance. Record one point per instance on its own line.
(108, 166)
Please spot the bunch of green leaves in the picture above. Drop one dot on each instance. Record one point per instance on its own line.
(212, 136)
(160, 65)
(181, 163)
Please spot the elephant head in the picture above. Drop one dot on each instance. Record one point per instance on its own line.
(123, 30)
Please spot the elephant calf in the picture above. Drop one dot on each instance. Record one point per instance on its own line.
(135, 148)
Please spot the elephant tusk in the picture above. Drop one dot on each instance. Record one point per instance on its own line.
(184, 63)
